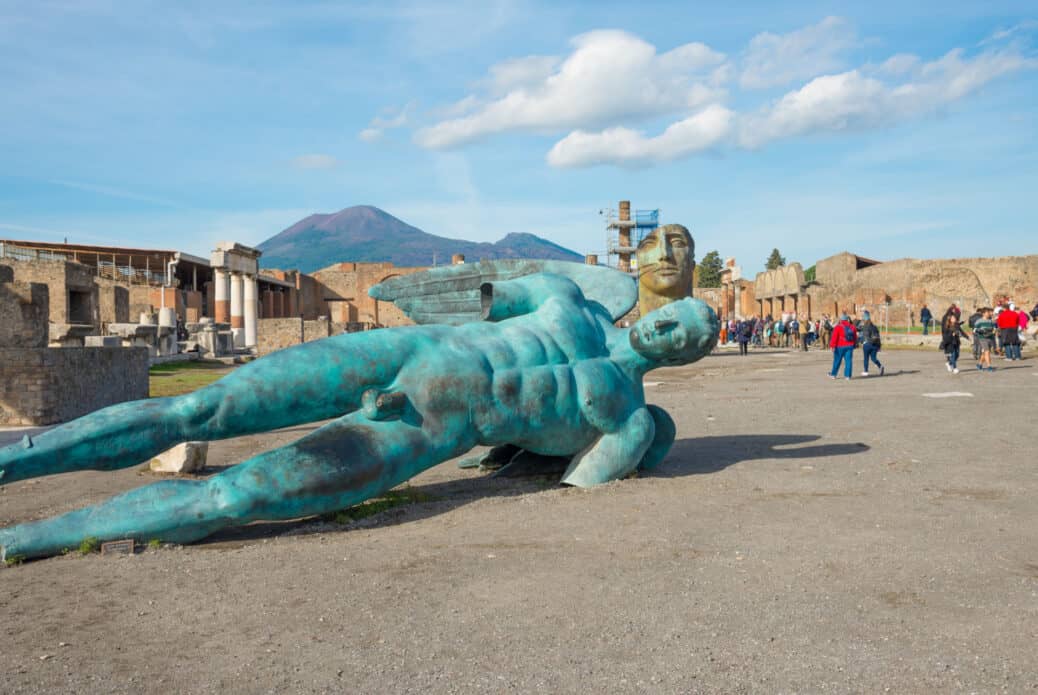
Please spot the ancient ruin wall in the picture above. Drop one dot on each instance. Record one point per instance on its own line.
(278, 334)
(44, 386)
(908, 283)
(23, 314)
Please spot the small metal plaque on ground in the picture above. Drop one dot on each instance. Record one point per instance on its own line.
(123, 547)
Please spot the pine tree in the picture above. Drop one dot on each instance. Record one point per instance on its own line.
(710, 270)
(775, 260)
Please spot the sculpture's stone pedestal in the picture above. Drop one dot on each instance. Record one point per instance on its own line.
(183, 458)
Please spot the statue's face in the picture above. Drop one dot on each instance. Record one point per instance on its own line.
(665, 261)
(677, 333)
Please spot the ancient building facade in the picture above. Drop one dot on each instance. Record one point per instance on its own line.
(40, 385)
(782, 291)
(894, 291)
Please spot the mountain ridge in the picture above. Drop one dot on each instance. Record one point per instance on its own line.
(365, 233)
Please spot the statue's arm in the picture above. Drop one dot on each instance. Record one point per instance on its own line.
(507, 298)
(615, 454)
(662, 439)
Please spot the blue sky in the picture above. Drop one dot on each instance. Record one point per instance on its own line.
(887, 129)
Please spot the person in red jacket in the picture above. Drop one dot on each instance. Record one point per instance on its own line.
(845, 337)
(1008, 326)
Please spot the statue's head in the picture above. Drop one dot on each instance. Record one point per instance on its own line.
(665, 266)
(676, 333)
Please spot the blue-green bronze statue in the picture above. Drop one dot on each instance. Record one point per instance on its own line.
(544, 370)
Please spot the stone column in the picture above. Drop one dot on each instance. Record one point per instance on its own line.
(237, 299)
(249, 312)
(222, 310)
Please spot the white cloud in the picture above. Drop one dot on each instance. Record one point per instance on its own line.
(315, 161)
(854, 100)
(521, 73)
(772, 60)
(624, 146)
(610, 76)
(380, 124)
(594, 97)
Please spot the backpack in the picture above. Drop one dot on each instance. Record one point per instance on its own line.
(848, 333)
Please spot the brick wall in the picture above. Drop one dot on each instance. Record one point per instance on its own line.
(23, 314)
(277, 334)
(44, 386)
(113, 300)
(351, 281)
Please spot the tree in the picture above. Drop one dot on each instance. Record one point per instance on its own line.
(710, 270)
(809, 274)
(775, 260)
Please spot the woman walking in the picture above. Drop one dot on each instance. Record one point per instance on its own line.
(951, 335)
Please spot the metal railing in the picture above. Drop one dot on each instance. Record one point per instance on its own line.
(104, 269)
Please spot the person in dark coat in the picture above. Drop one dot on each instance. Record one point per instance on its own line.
(951, 336)
(743, 335)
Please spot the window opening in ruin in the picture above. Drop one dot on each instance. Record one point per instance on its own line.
(79, 307)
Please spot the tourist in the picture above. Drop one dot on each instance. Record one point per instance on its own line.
(1009, 328)
(743, 335)
(827, 329)
(778, 331)
(871, 343)
(803, 332)
(972, 322)
(951, 335)
(1034, 312)
(793, 331)
(845, 337)
(925, 317)
(984, 338)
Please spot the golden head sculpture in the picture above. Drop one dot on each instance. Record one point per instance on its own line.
(665, 265)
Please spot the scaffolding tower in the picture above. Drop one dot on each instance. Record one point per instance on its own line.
(624, 232)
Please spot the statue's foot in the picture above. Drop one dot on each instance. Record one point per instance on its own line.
(526, 463)
(498, 457)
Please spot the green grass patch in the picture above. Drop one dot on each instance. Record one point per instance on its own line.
(178, 378)
(393, 498)
(89, 545)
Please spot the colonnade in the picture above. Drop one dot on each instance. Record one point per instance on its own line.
(237, 304)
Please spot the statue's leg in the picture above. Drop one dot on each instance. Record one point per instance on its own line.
(306, 383)
(338, 465)
(662, 440)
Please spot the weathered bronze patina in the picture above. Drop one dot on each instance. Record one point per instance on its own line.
(545, 371)
(665, 266)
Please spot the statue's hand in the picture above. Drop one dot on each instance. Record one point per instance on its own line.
(614, 454)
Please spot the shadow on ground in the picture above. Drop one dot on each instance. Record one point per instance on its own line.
(694, 456)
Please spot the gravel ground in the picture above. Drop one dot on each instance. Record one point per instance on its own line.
(804, 535)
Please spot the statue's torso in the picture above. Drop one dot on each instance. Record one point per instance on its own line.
(542, 381)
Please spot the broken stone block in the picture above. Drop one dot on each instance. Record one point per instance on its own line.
(183, 458)
(103, 341)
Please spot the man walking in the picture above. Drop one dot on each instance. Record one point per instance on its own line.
(984, 339)
(925, 316)
(1009, 327)
(871, 342)
(845, 337)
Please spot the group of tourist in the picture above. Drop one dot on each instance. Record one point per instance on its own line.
(788, 330)
(998, 330)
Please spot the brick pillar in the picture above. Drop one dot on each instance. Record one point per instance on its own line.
(625, 236)
(221, 296)
(237, 300)
(268, 304)
(279, 303)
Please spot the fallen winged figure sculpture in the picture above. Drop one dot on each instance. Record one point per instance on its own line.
(536, 363)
